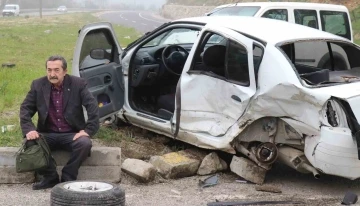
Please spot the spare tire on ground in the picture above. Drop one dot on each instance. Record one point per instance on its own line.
(87, 193)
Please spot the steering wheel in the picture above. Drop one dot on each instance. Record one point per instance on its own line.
(174, 62)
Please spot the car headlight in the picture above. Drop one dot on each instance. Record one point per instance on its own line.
(333, 114)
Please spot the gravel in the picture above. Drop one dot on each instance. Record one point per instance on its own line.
(328, 190)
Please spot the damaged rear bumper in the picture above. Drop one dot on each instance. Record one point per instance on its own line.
(334, 152)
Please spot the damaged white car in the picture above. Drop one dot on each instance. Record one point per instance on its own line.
(271, 90)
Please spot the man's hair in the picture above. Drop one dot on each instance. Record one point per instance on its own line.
(55, 58)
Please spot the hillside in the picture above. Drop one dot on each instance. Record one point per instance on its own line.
(351, 4)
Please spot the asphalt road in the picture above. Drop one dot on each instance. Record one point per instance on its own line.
(142, 21)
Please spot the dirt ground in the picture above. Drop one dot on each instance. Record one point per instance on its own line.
(185, 191)
(299, 188)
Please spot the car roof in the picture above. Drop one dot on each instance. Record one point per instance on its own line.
(290, 4)
(268, 30)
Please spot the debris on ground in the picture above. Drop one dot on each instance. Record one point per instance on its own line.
(237, 203)
(349, 199)
(248, 170)
(10, 65)
(268, 188)
(241, 181)
(210, 181)
(211, 164)
(176, 192)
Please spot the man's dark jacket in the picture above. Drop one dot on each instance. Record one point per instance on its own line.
(75, 95)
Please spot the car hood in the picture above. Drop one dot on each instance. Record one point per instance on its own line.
(349, 92)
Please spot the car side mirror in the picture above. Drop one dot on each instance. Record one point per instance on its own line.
(99, 54)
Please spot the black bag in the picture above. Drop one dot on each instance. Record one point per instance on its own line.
(33, 156)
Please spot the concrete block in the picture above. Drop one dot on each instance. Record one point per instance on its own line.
(98, 173)
(175, 165)
(7, 156)
(103, 164)
(103, 156)
(248, 170)
(210, 164)
(140, 170)
(100, 156)
(8, 175)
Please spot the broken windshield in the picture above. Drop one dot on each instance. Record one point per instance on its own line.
(324, 62)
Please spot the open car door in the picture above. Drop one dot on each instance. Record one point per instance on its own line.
(97, 59)
(217, 87)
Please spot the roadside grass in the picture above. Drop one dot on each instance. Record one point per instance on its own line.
(28, 42)
(111, 135)
(355, 17)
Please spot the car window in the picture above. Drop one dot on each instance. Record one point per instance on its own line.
(93, 40)
(10, 7)
(236, 11)
(324, 62)
(306, 18)
(227, 60)
(215, 39)
(336, 22)
(237, 63)
(175, 36)
(258, 53)
(279, 14)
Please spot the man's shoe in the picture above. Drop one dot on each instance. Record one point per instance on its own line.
(45, 183)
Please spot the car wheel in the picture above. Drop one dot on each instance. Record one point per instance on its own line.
(87, 193)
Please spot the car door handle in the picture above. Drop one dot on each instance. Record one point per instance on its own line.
(107, 79)
(236, 98)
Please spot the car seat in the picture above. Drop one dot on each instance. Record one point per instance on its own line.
(214, 59)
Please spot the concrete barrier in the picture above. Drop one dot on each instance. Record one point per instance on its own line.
(104, 164)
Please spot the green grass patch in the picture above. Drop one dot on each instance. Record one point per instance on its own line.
(111, 135)
(355, 18)
(28, 42)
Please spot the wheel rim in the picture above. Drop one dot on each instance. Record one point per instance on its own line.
(88, 186)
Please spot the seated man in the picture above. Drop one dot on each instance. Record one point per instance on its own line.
(58, 99)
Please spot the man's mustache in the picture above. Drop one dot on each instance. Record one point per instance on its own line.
(53, 78)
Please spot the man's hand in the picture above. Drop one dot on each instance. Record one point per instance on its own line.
(32, 135)
(79, 134)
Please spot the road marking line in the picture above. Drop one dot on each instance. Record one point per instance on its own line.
(150, 19)
(134, 21)
(143, 24)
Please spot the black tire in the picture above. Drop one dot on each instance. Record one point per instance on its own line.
(68, 193)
